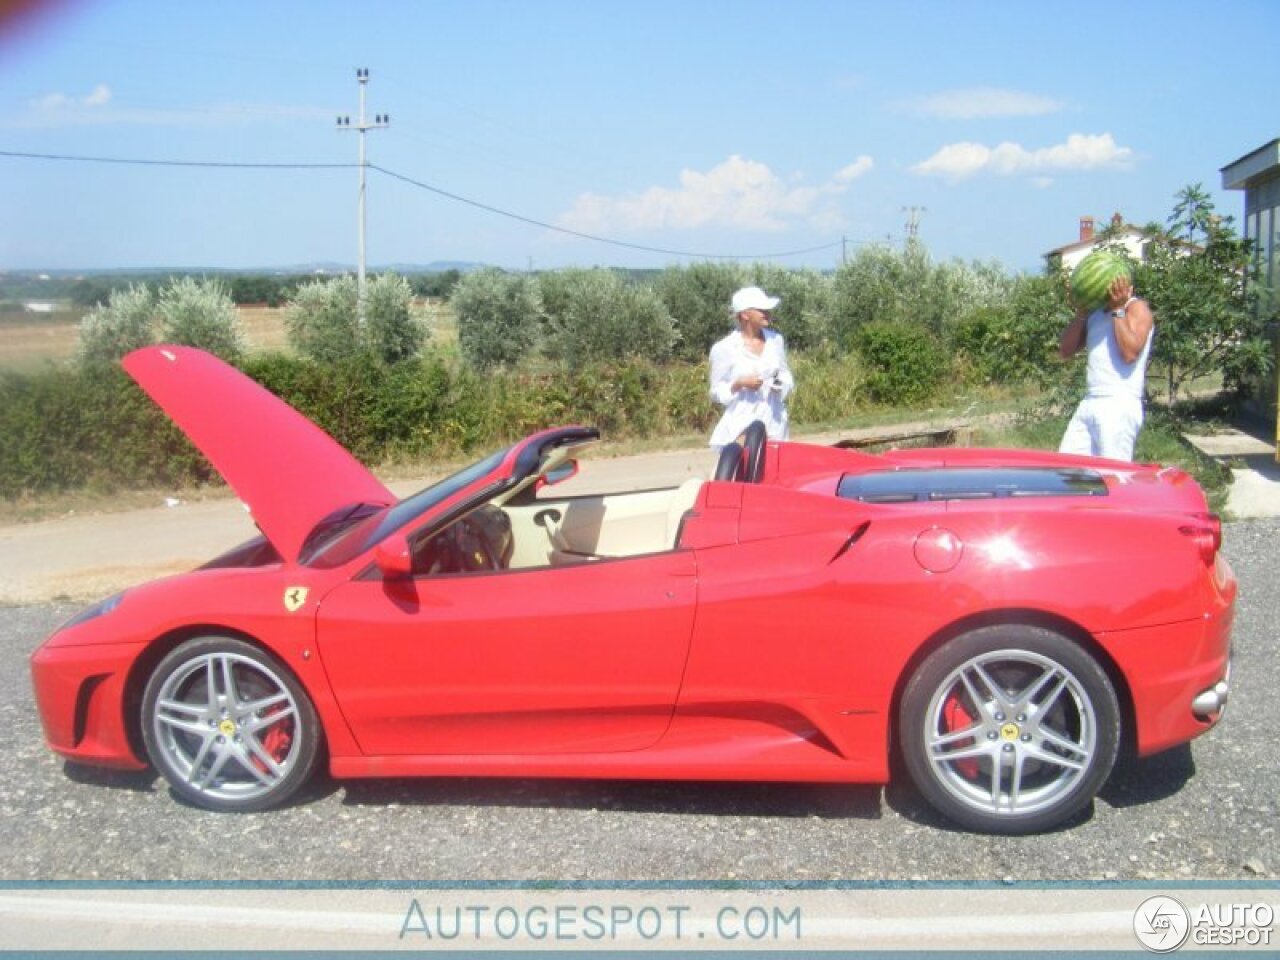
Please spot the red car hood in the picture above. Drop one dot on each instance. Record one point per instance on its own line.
(289, 472)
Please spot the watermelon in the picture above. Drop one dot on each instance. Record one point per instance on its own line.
(1092, 278)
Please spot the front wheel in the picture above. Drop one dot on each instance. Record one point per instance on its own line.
(228, 725)
(1009, 729)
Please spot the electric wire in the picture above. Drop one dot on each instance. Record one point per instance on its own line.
(422, 185)
(593, 237)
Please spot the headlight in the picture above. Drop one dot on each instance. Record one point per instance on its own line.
(97, 610)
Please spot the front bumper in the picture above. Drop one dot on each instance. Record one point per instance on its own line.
(80, 693)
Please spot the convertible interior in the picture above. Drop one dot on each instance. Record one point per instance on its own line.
(523, 532)
(522, 528)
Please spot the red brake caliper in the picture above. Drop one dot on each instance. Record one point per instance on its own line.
(956, 717)
(277, 740)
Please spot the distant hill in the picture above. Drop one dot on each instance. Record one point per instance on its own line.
(328, 268)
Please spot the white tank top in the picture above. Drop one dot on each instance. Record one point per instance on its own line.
(1108, 374)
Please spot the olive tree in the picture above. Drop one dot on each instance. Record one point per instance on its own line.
(498, 316)
(597, 315)
(125, 322)
(201, 313)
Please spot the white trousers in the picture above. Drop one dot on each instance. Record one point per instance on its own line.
(1104, 427)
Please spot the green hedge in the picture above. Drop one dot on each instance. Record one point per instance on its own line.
(65, 429)
(76, 428)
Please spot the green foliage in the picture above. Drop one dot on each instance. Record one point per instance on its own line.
(438, 285)
(880, 285)
(1206, 299)
(595, 315)
(323, 320)
(803, 316)
(498, 316)
(200, 313)
(270, 289)
(904, 363)
(88, 427)
(1015, 341)
(697, 297)
(125, 322)
(392, 331)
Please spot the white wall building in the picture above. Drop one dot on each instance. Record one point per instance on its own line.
(1134, 240)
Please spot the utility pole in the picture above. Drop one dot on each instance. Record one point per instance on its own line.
(344, 123)
(912, 226)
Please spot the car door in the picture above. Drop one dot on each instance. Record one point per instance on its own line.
(576, 659)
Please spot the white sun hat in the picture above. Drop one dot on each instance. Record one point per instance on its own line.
(753, 298)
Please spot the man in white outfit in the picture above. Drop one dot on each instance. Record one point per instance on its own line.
(1117, 339)
(749, 373)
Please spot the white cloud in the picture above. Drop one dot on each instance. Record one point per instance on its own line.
(854, 170)
(53, 101)
(61, 102)
(958, 161)
(982, 102)
(101, 94)
(740, 193)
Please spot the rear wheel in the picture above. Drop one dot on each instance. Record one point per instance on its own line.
(1009, 729)
(228, 725)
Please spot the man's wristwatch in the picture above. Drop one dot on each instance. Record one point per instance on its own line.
(1118, 313)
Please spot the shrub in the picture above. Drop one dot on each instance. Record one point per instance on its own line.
(803, 316)
(883, 285)
(392, 331)
(904, 363)
(321, 319)
(88, 426)
(594, 315)
(201, 313)
(697, 298)
(498, 317)
(124, 323)
(1016, 341)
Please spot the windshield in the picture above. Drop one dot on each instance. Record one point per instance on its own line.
(333, 551)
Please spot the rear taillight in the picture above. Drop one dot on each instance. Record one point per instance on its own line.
(1206, 531)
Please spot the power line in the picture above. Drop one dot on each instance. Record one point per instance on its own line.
(440, 192)
(134, 161)
(598, 239)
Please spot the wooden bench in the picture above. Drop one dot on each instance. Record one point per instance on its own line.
(940, 437)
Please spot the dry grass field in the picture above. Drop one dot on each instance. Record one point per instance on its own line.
(29, 344)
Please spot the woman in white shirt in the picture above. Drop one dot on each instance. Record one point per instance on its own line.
(749, 373)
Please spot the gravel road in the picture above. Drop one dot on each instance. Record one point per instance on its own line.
(1206, 812)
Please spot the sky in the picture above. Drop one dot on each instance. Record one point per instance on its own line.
(794, 132)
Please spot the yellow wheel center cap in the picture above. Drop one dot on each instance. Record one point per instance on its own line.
(227, 728)
(1009, 731)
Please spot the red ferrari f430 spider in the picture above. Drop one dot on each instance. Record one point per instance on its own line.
(1007, 622)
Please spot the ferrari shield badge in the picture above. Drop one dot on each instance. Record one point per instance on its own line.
(294, 597)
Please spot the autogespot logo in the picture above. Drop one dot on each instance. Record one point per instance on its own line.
(1161, 924)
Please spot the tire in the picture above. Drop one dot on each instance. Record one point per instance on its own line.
(1009, 729)
(229, 726)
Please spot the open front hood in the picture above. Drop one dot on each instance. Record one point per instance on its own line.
(289, 471)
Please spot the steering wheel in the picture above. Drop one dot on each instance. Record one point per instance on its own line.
(729, 466)
(753, 439)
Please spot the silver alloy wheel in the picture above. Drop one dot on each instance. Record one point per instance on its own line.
(228, 725)
(1010, 732)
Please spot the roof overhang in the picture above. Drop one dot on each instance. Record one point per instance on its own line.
(1253, 168)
